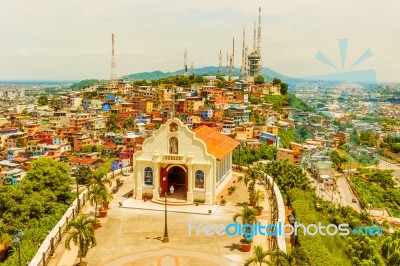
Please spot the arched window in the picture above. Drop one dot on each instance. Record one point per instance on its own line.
(199, 179)
(148, 176)
(173, 145)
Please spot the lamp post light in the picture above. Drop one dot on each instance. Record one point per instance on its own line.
(171, 190)
(240, 161)
(17, 242)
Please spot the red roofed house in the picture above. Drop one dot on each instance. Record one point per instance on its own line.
(198, 164)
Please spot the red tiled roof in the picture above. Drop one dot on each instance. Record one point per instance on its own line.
(74, 160)
(218, 144)
(86, 161)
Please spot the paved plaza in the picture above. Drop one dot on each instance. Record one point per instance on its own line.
(132, 234)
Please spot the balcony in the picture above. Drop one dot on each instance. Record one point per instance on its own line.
(173, 157)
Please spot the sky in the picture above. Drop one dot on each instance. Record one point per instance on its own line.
(71, 40)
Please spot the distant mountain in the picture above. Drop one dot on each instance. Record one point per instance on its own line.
(208, 70)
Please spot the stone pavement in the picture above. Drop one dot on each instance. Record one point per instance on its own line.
(132, 236)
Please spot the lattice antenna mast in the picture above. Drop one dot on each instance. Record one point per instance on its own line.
(259, 39)
(227, 64)
(243, 55)
(185, 73)
(233, 57)
(220, 64)
(254, 37)
(113, 75)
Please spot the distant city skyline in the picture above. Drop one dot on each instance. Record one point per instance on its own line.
(71, 40)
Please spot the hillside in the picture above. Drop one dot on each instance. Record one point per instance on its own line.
(209, 70)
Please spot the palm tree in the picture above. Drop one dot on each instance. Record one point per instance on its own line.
(100, 178)
(259, 195)
(97, 194)
(81, 232)
(252, 177)
(280, 258)
(248, 216)
(259, 256)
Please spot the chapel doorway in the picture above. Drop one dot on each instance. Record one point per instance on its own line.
(177, 177)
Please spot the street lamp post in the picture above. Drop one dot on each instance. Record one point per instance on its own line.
(17, 242)
(171, 190)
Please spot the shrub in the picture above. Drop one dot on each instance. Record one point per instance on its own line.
(231, 190)
(147, 196)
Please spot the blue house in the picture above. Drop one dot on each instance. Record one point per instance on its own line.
(14, 176)
(110, 96)
(116, 165)
(265, 136)
(105, 107)
(206, 113)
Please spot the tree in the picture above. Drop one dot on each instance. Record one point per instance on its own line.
(252, 177)
(302, 133)
(24, 112)
(129, 123)
(97, 194)
(113, 122)
(81, 232)
(284, 89)
(100, 178)
(276, 81)
(259, 79)
(82, 177)
(337, 159)
(248, 216)
(368, 138)
(20, 142)
(259, 256)
(222, 83)
(43, 100)
(280, 258)
(287, 175)
(47, 174)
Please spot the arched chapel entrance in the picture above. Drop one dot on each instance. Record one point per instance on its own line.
(177, 177)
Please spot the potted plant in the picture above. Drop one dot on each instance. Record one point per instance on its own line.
(246, 244)
(252, 198)
(248, 216)
(223, 202)
(147, 196)
(259, 210)
(198, 201)
(103, 212)
(106, 203)
(96, 224)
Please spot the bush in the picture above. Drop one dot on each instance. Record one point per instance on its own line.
(231, 190)
(147, 196)
(223, 202)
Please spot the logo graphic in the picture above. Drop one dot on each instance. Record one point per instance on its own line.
(279, 229)
(346, 74)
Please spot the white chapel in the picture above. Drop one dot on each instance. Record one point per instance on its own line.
(198, 164)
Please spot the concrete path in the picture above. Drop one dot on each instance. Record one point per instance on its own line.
(149, 205)
(132, 234)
